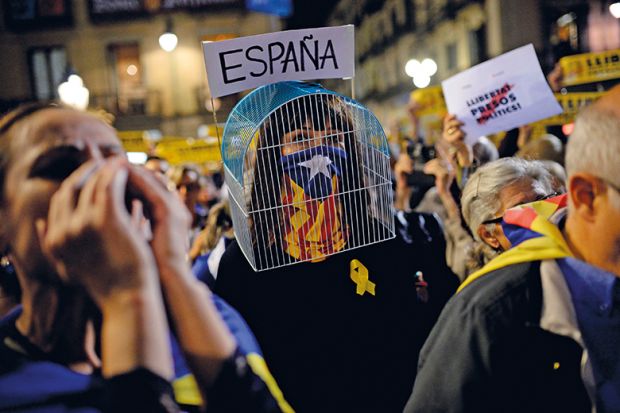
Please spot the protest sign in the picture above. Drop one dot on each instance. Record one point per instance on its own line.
(430, 111)
(500, 94)
(133, 141)
(590, 67)
(249, 62)
(181, 150)
(571, 104)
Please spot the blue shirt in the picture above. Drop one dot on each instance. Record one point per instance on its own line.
(595, 295)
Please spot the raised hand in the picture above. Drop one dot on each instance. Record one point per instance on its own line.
(89, 235)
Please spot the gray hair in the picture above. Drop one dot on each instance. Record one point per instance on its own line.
(594, 145)
(480, 200)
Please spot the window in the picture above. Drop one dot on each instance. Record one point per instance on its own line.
(451, 56)
(48, 67)
(476, 41)
(131, 96)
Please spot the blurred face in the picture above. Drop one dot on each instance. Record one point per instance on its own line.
(189, 188)
(157, 165)
(46, 148)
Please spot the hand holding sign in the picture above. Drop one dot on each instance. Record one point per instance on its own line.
(500, 94)
(248, 62)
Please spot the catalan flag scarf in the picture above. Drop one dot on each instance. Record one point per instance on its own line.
(312, 213)
(532, 236)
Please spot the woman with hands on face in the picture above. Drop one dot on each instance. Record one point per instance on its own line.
(91, 333)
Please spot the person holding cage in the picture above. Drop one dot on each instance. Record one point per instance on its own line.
(340, 291)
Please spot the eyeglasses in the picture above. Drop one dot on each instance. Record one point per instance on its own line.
(540, 198)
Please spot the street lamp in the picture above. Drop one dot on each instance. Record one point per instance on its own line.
(614, 9)
(73, 93)
(168, 40)
(421, 72)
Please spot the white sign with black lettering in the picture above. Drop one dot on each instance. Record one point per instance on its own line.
(500, 94)
(248, 62)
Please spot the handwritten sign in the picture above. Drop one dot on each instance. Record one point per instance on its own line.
(590, 67)
(249, 62)
(500, 94)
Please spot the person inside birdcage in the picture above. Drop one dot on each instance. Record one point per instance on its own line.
(339, 289)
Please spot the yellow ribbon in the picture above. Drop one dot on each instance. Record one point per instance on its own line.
(359, 275)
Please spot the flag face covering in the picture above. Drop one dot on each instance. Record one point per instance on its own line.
(532, 236)
(312, 169)
(312, 213)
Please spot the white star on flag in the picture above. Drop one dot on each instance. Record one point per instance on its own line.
(318, 164)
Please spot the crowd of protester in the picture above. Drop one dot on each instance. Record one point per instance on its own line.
(499, 292)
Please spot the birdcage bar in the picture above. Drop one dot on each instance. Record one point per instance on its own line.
(362, 197)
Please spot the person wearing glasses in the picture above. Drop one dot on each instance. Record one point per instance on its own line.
(536, 330)
(491, 190)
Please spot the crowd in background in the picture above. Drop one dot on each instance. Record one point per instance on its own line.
(468, 189)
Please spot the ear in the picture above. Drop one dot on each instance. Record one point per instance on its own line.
(583, 189)
(488, 237)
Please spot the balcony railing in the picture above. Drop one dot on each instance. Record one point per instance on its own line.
(145, 102)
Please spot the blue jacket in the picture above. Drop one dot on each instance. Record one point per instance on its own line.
(30, 382)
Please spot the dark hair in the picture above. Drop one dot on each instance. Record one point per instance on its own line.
(155, 158)
(7, 121)
(265, 217)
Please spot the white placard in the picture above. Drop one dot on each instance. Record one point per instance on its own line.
(248, 62)
(500, 94)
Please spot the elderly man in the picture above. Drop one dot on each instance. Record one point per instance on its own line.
(538, 329)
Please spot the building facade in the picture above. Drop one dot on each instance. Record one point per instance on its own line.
(113, 46)
(458, 34)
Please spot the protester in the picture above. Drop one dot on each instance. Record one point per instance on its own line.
(211, 243)
(91, 333)
(547, 147)
(342, 330)
(537, 328)
(493, 189)
(157, 164)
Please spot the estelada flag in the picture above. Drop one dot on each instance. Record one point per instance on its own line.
(532, 235)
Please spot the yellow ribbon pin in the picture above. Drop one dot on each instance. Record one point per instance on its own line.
(359, 275)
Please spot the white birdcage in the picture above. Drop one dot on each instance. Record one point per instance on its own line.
(308, 173)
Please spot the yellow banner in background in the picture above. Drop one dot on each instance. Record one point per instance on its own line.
(430, 101)
(133, 141)
(179, 151)
(176, 149)
(590, 67)
(571, 104)
(431, 109)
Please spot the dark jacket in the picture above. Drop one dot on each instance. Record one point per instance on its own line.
(489, 352)
(330, 348)
(29, 381)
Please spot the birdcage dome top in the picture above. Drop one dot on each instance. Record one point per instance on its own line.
(247, 116)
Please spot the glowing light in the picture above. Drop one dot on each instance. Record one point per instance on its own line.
(567, 129)
(421, 81)
(614, 9)
(168, 41)
(132, 70)
(429, 66)
(413, 67)
(137, 158)
(73, 93)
